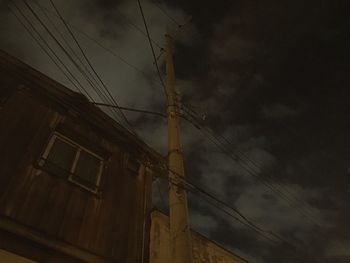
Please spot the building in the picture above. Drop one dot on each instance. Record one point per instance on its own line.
(75, 186)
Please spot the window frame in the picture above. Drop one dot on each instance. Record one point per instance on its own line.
(78, 148)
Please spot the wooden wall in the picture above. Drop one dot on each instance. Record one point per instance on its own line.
(108, 224)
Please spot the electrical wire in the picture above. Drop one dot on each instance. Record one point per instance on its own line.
(90, 64)
(235, 214)
(158, 5)
(67, 43)
(38, 33)
(137, 28)
(277, 191)
(251, 171)
(134, 110)
(98, 91)
(152, 49)
(78, 86)
(95, 88)
(112, 52)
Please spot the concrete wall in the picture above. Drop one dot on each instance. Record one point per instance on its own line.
(204, 251)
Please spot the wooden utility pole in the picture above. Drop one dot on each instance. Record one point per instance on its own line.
(180, 235)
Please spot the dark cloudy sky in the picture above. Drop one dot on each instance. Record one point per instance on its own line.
(271, 76)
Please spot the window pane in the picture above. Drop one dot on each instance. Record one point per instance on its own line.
(87, 169)
(60, 159)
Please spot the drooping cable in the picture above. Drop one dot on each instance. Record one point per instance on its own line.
(98, 90)
(68, 74)
(134, 110)
(232, 212)
(98, 43)
(80, 69)
(66, 42)
(90, 64)
(246, 165)
(158, 5)
(227, 151)
(151, 45)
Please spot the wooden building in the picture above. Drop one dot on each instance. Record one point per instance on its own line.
(75, 186)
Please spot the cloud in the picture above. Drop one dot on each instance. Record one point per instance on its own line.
(203, 224)
(232, 48)
(277, 213)
(231, 43)
(278, 111)
(337, 249)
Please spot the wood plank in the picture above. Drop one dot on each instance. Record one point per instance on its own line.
(125, 220)
(112, 218)
(53, 211)
(73, 215)
(34, 196)
(18, 150)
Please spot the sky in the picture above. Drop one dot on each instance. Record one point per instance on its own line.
(270, 76)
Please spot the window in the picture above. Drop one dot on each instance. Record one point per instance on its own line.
(67, 159)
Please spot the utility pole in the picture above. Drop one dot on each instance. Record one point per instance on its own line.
(180, 235)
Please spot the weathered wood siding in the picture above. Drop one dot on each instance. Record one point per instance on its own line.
(109, 224)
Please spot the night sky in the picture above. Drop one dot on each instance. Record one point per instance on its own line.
(271, 76)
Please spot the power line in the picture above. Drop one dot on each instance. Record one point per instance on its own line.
(59, 44)
(89, 63)
(277, 191)
(78, 86)
(246, 166)
(152, 49)
(67, 43)
(95, 88)
(180, 26)
(158, 5)
(48, 46)
(112, 52)
(267, 235)
(66, 52)
(132, 109)
(125, 18)
(98, 91)
(238, 216)
(138, 29)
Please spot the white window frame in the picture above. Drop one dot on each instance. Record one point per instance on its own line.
(78, 148)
